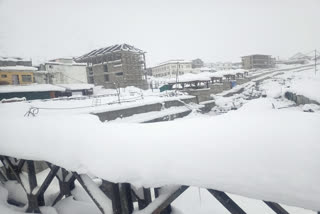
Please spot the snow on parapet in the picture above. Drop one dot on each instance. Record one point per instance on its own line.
(18, 68)
(30, 88)
(76, 86)
(14, 59)
(189, 77)
(204, 76)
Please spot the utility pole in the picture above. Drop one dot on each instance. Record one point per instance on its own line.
(315, 61)
(177, 75)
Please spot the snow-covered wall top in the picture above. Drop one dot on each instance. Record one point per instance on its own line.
(257, 151)
(30, 88)
(18, 68)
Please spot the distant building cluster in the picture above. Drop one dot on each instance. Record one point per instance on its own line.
(118, 66)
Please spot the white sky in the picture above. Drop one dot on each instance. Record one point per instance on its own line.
(166, 29)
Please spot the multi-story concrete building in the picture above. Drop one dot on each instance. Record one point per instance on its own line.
(16, 71)
(197, 63)
(257, 61)
(170, 68)
(116, 66)
(62, 71)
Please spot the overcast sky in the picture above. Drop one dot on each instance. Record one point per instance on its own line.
(166, 29)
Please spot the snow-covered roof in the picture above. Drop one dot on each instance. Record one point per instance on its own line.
(110, 49)
(189, 77)
(18, 68)
(64, 63)
(30, 88)
(76, 86)
(256, 55)
(299, 55)
(15, 59)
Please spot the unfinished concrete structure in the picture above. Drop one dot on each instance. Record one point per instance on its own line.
(116, 66)
(257, 61)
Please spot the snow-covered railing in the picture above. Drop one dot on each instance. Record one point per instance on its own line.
(108, 197)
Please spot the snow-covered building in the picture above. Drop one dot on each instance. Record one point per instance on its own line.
(197, 63)
(14, 61)
(115, 66)
(170, 68)
(300, 56)
(219, 65)
(16, 71)
(62, 71)
(258, 61)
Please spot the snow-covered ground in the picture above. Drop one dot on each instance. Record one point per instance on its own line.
(268, 149)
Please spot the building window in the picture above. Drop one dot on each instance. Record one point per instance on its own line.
(26, 78)
(4, 76)
(105, 68)
(106, 77)
(50, 66)
(119, 74)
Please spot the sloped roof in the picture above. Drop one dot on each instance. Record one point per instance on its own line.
(113, 48)
(300, 55)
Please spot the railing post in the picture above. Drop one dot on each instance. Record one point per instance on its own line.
(112, 191)
(166, 210)
(227, 202)
(33, 206)
(125, 198)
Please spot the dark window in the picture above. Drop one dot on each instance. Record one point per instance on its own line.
(106, 77)
(90, 80)
(26, 78)
(119, 74)
(4, 76)
(105, 68)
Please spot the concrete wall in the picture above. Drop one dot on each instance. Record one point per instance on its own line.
(299, 99)
(6, 77)
(218, 87)
(112, 115)
(201, 94)
(67, 74)
(126, 112)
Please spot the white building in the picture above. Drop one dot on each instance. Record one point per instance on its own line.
(62, 71)
(220, 65)
(170, 68)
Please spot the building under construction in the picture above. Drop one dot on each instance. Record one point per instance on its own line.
(258, 61)
(116, 66)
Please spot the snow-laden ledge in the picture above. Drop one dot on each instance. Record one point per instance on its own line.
(257, 151)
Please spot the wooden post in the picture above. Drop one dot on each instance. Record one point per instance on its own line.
(112, 191)
(125, 198)
(146, 200)
(46, 184)
(33, 206)
(227, 202)
(65, 184)
(276, 207)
